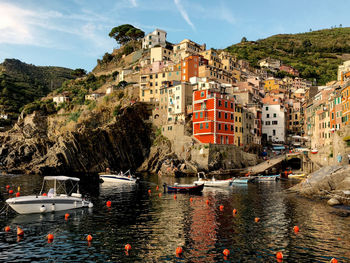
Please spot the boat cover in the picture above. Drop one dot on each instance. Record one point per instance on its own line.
(61, 178)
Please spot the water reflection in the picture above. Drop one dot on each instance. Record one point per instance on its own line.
(155, 226)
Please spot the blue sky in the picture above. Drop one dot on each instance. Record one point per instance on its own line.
(74, 33)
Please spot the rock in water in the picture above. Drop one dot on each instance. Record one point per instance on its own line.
(333, 201)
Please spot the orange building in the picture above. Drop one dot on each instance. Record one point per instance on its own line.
(190, 66)
(345, 105)
(213, 116)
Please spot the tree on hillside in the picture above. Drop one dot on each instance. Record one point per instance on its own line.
(79, 72)
(124, 33)
(244, 39)
(307, 43)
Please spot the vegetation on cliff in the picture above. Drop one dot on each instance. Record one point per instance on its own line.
(316, 54)
(21, 83)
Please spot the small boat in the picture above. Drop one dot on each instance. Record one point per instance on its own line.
(267, 178)
(184, 188)
(243, 180)
(202, 179)
(110, 177)
(296, 176)
(57, 199)
(314, 151)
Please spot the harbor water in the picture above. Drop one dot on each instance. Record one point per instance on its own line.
(156, 225)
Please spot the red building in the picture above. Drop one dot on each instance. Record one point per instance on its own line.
(213, 115)
(289, 70)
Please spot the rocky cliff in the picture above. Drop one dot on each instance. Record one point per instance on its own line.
(32, 147)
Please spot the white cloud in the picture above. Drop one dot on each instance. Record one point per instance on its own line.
(134, 3)
(183, 13)
(226, 15)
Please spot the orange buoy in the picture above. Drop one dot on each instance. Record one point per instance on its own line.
(66, 216)
(149, 191)
(226, 252)
(279, 255)
(7, 229)
(160, 194)
(175, 197)
(108, 203)
(157, 188)
(44, 194)
(234, 211)
(89, 238)
(7, 186)
(334, 260)
(221, 207)
(50, 237)
(296, 229)
(20, 232)
(207, 202)
(191, 199)
(18, 194)
(10, 191)
(178, 250)
(257, 219)
(127, 247)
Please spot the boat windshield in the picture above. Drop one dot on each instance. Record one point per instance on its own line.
(60, 185)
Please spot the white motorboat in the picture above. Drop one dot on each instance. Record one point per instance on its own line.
(202, 179)
(57, 199)
(121, 177)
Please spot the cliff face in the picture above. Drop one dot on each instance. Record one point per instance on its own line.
(122, 144)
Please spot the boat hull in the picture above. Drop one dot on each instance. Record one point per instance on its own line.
(45, 204)
(214, 183)
(191, 189)
(243, 180)
(267, 178)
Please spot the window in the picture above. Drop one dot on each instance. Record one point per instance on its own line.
(274, 115)
(266, 108)
(220, 103)
(156, 76)
(202, 94)
(219, 114)
(236, 129)
(226, 104)
(267, 122)
(226, 115)
(151, 91)
(196, 115)
(163, 75)
(274, 122)
(231, 105)
(231, 127)
(236, 119)
(226, 128)
(274, 132)
(201, 114)
(201, 126)
(207, 125)
(231, 116)
(219, 127)
(240, 119)
(267, 116)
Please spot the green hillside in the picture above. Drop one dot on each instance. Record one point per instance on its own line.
(21, 83)
(315, 54)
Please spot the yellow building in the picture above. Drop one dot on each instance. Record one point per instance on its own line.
(150, 83)
(212, 57)
(186, 48)
(345, 105)
(271, 84)
(238, 125)
(160, 54)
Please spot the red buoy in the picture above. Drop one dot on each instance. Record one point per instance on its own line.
(89, 238)
(66, 216)
(127, 247)
(18, 194)
(226, 252)
(257, 219)
(149, 191)
(334, 260)
(234, 211)
(157, 188)
(296, 229)
(191, 199)
(10, 191)
(20, 232)
(108, 203)
(44, 194)
(50, 237)
(7, 229)
(7, 186)
(279, 255)
(221, 207)
(178, 250)
(160, 194)
(207, 202)
(175, 197)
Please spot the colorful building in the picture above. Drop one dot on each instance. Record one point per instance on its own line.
(345, 94)
(190, 66)
(156, 38)
(213, 114)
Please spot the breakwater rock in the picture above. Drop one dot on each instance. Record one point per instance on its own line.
(331, 183)
(35, 146)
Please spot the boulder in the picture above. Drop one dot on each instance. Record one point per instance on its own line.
(333, 201)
